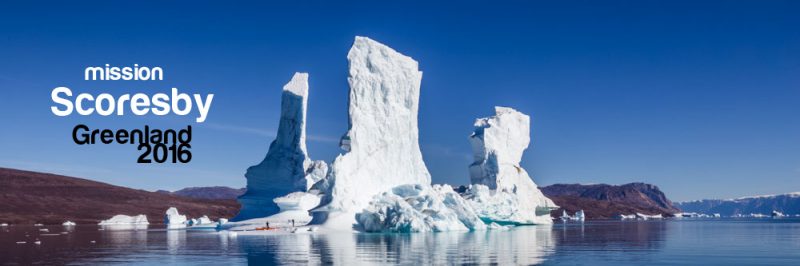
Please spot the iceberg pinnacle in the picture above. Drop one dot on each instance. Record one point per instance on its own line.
(381, 145)
(501, 189)
(287, 167)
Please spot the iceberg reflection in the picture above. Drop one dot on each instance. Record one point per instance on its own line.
(521, 245)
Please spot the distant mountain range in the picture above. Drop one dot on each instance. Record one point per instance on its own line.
(31, 197)
(216, 193)
(602, 201)
(786, 203)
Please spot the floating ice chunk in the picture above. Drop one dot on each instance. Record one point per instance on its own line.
(121, 219)
(3, 224)
(580, 216)
(68, 223)
(173, 219)
(203, 220)
(419, 208)
(381, 144)
(222, 221)
(287, 167)
(496, 226)
(501, 189)
(648, 217)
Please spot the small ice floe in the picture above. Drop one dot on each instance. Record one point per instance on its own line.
(777, 214)
(37, 225)
(496, 226)
(579, 216)
(68, 223)
(120, 219)
(21, 242)
(3, 224)
(202, 223)
(174, 220)
(37, 242)
(92, 242)
(44, 230)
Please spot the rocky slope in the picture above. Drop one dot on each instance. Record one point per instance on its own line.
(215, 193)
(31, 197)
(601, 201)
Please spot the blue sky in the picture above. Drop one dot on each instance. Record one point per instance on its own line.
(698, 97)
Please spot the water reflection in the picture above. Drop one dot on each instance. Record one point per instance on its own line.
(523, 245)
(648, 235)
(593, 243)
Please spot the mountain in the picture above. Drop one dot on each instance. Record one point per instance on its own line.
(215, 193)
(602, 201)
(31, 197)
(786, 203)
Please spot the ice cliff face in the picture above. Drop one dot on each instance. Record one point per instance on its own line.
(287, 167)
(501, 190)
(382, 148)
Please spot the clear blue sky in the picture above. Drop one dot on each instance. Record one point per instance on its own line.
(701, 98)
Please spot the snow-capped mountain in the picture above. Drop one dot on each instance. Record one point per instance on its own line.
(788, 203)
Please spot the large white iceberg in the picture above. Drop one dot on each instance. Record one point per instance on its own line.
(501, 189)
(173, 219)
(121, 219)
(419, 208)
(381, 145)
(287, 167)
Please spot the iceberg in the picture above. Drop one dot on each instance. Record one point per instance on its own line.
(121, 219)
(381, 145)
(580, 216)
(173, 219)
(294, 209)
(68, 223)
(287, 167)
(419, 208)
(501, 189)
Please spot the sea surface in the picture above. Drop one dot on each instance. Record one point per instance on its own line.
(665, 242)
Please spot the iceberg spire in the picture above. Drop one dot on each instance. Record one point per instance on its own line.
(501, 189)
(381, 145)
(287, 167)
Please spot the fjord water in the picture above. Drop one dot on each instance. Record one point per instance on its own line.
(669, 242)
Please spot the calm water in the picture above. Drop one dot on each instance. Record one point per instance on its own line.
(706, 242)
